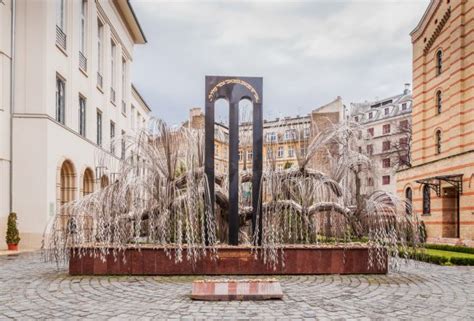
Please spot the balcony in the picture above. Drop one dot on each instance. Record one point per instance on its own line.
(60, 38)
(82, 61)
(100, 80)
(112, 96)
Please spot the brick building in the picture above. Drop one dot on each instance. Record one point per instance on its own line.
(441, 181)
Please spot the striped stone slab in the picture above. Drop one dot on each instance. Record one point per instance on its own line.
(236, 290)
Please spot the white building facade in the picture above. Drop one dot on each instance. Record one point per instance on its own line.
(385, 137)
(65, 96)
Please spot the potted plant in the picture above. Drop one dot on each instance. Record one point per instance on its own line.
(13, 236)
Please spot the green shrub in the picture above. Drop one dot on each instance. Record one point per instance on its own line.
(451, 248)
(13, 236)
(462, 261)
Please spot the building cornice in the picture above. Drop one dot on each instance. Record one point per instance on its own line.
(130, 19)
(424, 21)
(139, 97)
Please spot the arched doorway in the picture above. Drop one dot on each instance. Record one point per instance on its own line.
(67, 188)
(87, 182)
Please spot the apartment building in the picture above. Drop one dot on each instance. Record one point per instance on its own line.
(66, 97)
(440, 183)
(284, 139)
(385, 134)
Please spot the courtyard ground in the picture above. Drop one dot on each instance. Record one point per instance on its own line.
(33, 289)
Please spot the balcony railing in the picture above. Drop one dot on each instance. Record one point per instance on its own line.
(82, 61)
(112, 95)
(60, 38)
(100, 80)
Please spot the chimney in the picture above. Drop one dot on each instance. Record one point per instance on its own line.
(407, 89)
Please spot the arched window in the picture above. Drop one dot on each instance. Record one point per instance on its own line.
(67, 188)
(439, 101)
(426, 200)
(439, 62)
(438, 141)
(87, 182)
(409, 200)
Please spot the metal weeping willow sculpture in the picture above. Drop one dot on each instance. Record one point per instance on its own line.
(165, 196)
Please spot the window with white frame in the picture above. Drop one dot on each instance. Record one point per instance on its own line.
(122, 147)
(112, 137)
(83, 26)
(290, 134)
(124, 85)
(113, 49)
(99, 127)
(100, 35)
(60, 99)
(82, 116)
(271, 137)
(61, 14)
(291, 152)
(280, 152)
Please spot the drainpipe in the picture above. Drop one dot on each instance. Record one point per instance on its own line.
(12, 96)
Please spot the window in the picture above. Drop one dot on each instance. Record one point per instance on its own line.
(124, 86)
(269, 152)
(290, 134)
(404, 124)
(386, 111)
(408, 200)
(303, 150)
(82, 116)
(370, 149)
(280, 152)
(386, 145)
(426, 199)
(61, 15)
(249, 154)
(360, 149)
(112, 137)
(112, 71)
(370, 181)
(139, 120)
(100, 34)
(370, 131)
(439, 62)
(356, 119)
(99, 127)
(371, 115)
(122, 147)
(386, 162)
(60, 99)
(386, 180)
(306, 132)
(271, 137)
(439, 101)
(291, 152)
(83, 26)
(404, 106)
(240, 155)
(386, 129)
(403, 142)
(438, 141)
(132, 117)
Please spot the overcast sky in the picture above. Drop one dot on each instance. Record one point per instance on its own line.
(308, 52)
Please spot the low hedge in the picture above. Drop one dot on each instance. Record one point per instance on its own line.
(451, 248)
(462, 261)
(438, 259)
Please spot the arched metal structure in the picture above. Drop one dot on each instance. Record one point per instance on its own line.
(234, 89)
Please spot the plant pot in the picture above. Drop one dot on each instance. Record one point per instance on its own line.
(12, 247)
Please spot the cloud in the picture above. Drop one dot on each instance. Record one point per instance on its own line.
(308, 52)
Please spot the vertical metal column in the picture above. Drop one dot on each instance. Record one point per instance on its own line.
(209, 158)
(257, 168)
(234, 220)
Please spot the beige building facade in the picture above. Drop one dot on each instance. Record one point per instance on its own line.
(67, 94)
(441, 181)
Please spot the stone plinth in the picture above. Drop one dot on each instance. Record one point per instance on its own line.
(238, 260)
(236, 290)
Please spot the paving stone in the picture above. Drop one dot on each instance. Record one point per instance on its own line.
(33, 289)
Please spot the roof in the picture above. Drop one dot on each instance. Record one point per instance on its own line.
(420, 27)
(131, 20)
(135, 90)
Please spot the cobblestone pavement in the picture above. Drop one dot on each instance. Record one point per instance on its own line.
(32, 289)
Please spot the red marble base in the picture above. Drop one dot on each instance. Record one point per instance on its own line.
(236, 290)
(230, 261)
